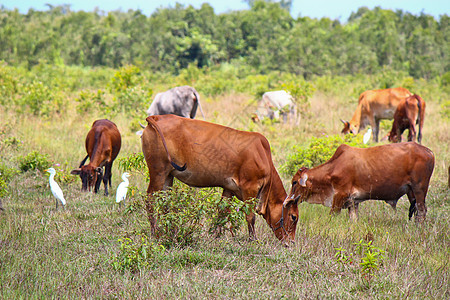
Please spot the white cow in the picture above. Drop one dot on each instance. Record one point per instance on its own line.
(277, 105)
(181, 101)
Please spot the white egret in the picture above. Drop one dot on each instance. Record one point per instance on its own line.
(56, 190)
(122, 189)
(367, 135)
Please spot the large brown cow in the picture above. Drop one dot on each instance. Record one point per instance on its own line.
(217, 156)
(373, 106)
(409, 112)
(354, 175)
(103, 144)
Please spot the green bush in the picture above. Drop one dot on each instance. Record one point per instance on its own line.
(179, 215)
(134, 163)
(135, 256)
(90, 101)
(9, 84)
(125, 78)
(370, 258)
(318, 151)
(228, 213)
(7, 173)
(133, 101)
(34, 161)
(182, 214)
(40, 100)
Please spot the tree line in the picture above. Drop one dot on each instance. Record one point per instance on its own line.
(265, 37)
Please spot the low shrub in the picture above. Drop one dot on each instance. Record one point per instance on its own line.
(40, 100)
(318, 151)
(135, 256)
(179, 216)
(88, 101)
(34, 161)
(182, 215)
(134, 163)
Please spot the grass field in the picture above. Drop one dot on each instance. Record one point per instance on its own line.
(70, 253)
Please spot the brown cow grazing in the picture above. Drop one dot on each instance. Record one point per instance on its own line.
(409, 112)
(103, 144)
(373, 106)
(217, 156)
(353, 175)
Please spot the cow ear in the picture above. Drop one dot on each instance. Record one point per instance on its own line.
(302, 180)
(75, 172)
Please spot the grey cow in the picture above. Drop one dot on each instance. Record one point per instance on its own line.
(181, 101)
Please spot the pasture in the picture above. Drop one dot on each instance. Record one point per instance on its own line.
(74, 253)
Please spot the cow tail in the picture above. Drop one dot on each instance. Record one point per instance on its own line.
(152, 122)
(83, 161)
(197, 96)
(421, 116)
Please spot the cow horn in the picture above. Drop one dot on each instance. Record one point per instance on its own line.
(141, 125)
(345, 122)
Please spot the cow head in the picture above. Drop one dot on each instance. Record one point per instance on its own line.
(349, 128)
(394, 138)
(90, 177)
(299, 189)
(284, 222)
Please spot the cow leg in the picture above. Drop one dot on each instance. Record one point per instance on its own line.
(338, 203)
(110, 175)
(157, 183)
(411, 132)
(250, 217)
(398, 138)
(353, 211)
(107, 177)
(98, 183)
(393, 204)
(376, 129)
(416, 197)
(226, 194)
(412, 206)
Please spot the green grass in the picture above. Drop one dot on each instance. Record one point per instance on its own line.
(69, 253)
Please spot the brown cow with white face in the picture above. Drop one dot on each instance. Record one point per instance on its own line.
(103, 144)
(409, 112)
(217, 156)
(373, 106)
(354, 175)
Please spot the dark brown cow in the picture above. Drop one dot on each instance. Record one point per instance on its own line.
(409, 112)
(217, 156)
(354, 175)
(373, 106)
(103, 144)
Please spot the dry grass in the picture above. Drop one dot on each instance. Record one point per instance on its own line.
(67, 254)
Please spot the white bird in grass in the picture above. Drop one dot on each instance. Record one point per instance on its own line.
(367, 135)
(56, 190)
(122, 189)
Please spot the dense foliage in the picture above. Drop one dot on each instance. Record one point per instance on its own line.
(318, 151)
(265, 37)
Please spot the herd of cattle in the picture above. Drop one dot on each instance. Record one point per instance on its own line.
(204, 154)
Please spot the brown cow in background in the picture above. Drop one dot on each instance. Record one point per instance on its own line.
(103, 144)
(373, 106)
(240, 162)
(409, 112)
